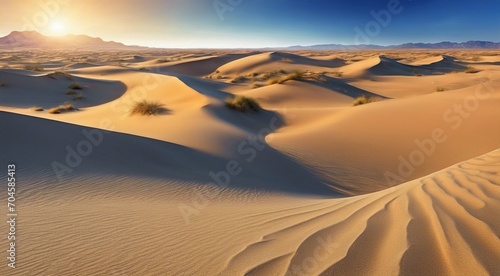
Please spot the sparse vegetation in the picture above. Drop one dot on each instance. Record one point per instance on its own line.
(274, 81)
(471, 70)
(338, 74)
(78, 96)
(37, 108)
(440, 89)
(242, 103)
(75, 86)
(239, 79)
(257, 85)
(33, 68)
(71, 92)
(295, 75)
(269, 75)
(476, 58)
(56, 74)
(365, 100)
(416, 73)
(148, 108)
(62, 108)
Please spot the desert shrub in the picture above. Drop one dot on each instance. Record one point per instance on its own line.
(272, 74)
(239, 79)
(273, 81)
(242, 103)
(471, 70)
(147, 108)
(78, 96)
(33, 68)
(56, 74)
(75, 86)
(62, 108)
(37, 108)
(71, 92)
(296, 75)
(440, 89)
(338, 74)
(364, 100)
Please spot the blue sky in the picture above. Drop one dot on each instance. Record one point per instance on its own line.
(257, 23)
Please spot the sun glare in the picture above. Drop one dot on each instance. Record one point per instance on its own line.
(57, 28)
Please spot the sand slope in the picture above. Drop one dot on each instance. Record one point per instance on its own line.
(420, 227)
(442, 223)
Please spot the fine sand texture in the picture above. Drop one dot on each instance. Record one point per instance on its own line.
(404, 182)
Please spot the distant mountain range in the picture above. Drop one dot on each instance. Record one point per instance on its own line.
(35, 40)
(440, 45)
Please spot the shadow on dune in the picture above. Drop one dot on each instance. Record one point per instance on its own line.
(447, 65)
(298, 59)
(201, 67)
(339, 86)
(384, 66)
(486, 63)
(25, 91)
(39, 145)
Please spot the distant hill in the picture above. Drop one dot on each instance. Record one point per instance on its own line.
(35, 40)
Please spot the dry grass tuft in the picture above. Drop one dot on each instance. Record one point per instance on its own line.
(56, 74)
(33, 68)
(75, 86)
(364, 100)
(62, 108)
(239, 79)
(242, 103)
(37, 108)
(148, 108)
(471, 70)
(78, 96)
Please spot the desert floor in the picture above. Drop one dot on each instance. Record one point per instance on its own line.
(309, 185)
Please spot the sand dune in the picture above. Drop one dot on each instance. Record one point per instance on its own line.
(309, 185)
(267, 62)
(198, 66)
(373, 123)
(47, 91)
(384, 66)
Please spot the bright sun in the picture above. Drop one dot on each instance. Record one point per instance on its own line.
(57, 28)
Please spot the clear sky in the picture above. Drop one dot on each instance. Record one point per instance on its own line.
(257, 23)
